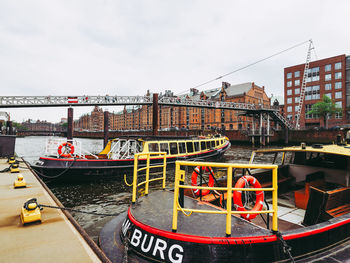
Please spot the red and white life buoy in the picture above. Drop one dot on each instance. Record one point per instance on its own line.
(195, 174)
(66, 145)
(237, 196)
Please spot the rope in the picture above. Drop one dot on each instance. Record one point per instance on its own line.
(5, 170)
(251, 64)
(58, 175)
(75, 210)
(190, 213)
(286, 248)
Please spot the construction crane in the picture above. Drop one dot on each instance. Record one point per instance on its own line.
(303, 85)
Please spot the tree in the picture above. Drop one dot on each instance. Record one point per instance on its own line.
(324, 109)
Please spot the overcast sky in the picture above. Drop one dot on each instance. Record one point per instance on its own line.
(126, 47)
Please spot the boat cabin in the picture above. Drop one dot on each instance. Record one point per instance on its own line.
(313, 181)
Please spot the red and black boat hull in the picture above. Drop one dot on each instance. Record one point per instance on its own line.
(78, 170)
(151, 240)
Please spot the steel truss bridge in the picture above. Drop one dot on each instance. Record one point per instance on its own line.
(67, 101)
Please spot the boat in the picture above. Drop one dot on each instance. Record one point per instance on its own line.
(66, 161)
(286, 205)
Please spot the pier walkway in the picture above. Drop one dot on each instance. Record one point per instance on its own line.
(54, 240)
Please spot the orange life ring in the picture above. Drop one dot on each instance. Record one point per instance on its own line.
(67, 144)
(195, 174)
(237, 196)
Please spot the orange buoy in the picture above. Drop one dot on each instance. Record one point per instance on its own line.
(237, 196)
(195, 174)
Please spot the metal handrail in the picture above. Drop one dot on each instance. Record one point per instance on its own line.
(180, 179)
(148, 166)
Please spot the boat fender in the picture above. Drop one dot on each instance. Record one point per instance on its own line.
(30, 212)
(237, 196)
(67, 145)
(195, 174)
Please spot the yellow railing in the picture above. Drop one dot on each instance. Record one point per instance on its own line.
(180, 179)
(147, 157)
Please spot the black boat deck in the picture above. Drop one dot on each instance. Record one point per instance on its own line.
(156, 211)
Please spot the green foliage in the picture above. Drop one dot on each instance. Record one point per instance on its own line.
(65, 125)
(324, 108)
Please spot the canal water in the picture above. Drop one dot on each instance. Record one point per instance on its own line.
(107, 197)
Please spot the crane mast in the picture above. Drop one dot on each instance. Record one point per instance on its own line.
(303, 86)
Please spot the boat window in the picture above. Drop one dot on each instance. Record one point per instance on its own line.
(189, 146)
(217, 143)
(321, 160)
(173, 148)
(153, 147)
(196, 146)
(182, 147)
(203, 146)
(164, 147)
(221, 141)
(208, 144)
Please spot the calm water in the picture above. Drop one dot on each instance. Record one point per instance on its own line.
(108, 197)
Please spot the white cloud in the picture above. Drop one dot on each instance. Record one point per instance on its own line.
(127, 47)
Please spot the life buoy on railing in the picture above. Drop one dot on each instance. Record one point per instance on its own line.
(196, 172)
(66, 145)
(237, 196)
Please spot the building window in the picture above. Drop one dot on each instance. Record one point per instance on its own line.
(315, 96)
(308, 97)
(338, 115)
(338, 95)
(289, 109)
(328, 86)
(289, 101)
(310, 116)
(289, 117)
(289, 92)
(328, 77)
(297, 82)
(296, 108)
(297, 91)
(289, 75)
(328, 67)
(337, 85)
(297, 74)
(337, 65)
(289, 84)
(337, 75)
(296, 99)
(329, 95)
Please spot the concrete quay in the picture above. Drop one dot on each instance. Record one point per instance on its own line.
(56, 239)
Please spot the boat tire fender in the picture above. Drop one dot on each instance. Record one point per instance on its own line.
(237, 196)
(195, 174)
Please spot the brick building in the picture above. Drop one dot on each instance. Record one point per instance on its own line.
(140, 117)
(328, 77)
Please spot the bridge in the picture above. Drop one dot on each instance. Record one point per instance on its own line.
(66, 101)
(265, 113)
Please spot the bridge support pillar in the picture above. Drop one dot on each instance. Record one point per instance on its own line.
(155, 114)
(105, 128)
(70, 125)
(286, 135)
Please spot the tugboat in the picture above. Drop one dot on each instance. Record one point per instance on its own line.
(67, 161)
(294, 209)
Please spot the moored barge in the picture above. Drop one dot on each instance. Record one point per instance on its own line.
(67, 161)
(295, 208)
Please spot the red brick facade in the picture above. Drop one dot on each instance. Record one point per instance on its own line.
(140, 118)
(325, 77)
